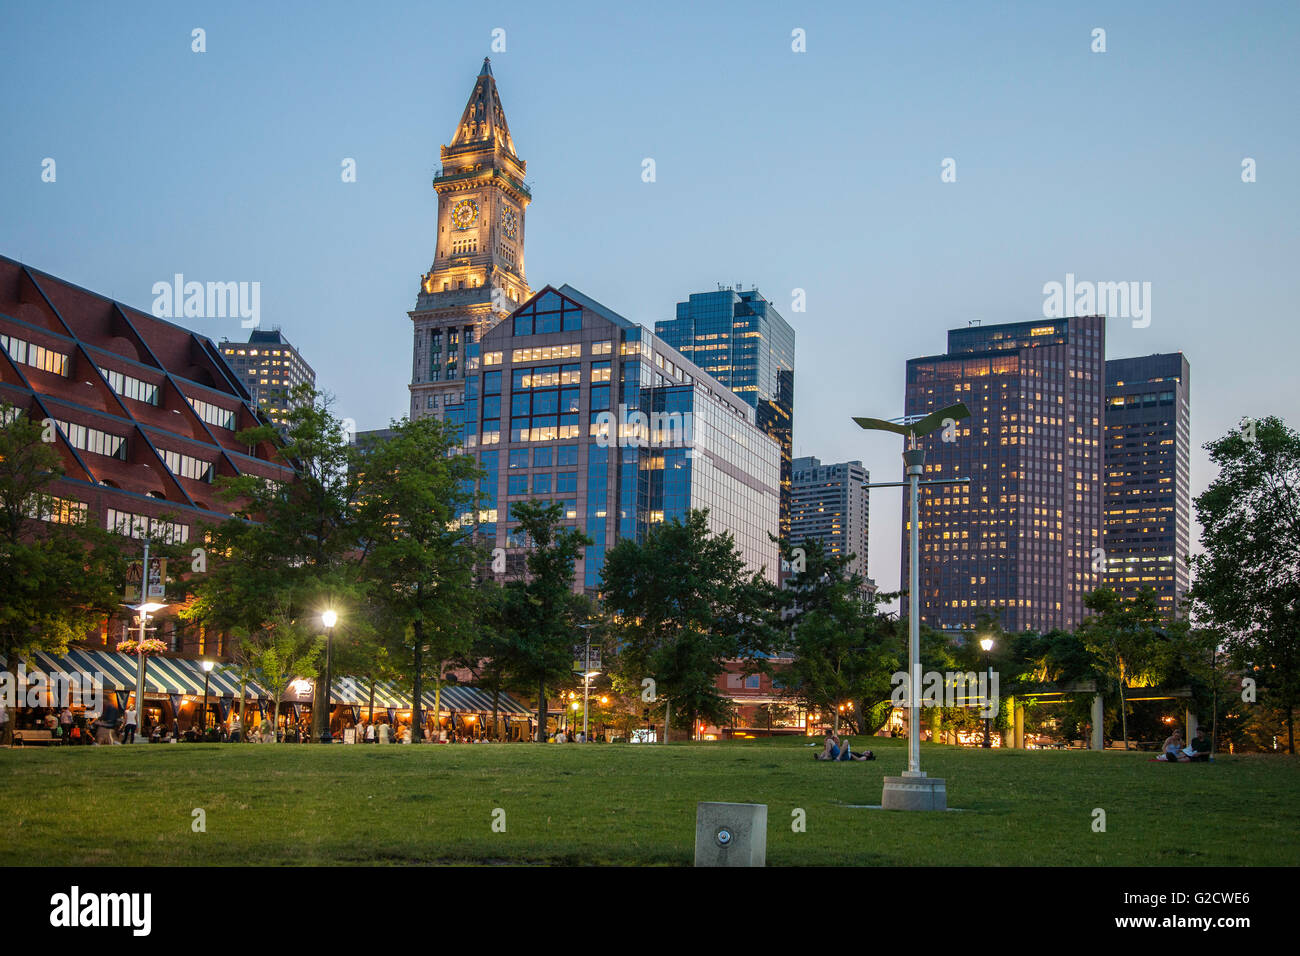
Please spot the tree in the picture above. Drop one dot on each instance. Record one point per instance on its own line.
(1125, 638)
(290, 550)
(289, 649)
(1053, 658)
(541, 612)
(844, 648)
(495, 646)
(60, 576)
(682, 605)
(1247, 580)
(419, 553)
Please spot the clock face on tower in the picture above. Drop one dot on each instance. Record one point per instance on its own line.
(464, 214)
(510, 224)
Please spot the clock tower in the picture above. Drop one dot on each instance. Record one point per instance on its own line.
(477, 276)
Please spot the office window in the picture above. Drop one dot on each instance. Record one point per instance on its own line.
(133, 388)
(37, 356)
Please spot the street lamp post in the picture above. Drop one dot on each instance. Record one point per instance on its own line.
(329, 618)
(587, 675)
(207, 669)
(145, 608)
(913, 790)
(987, 644)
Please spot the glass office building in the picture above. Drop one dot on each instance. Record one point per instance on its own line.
(568, 401)
(830, 504)
(1148, 494)
(1021, 540)
(742, 341)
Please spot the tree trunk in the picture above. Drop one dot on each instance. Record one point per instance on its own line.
(1123, 712)
(668, 714)
(275, 720)
(541, 711)
(7, 728)
(370, 717)
(437, 700)
(1290, 729)
(243, 705)
(1214, 722)
(496, 708)
(417, 725)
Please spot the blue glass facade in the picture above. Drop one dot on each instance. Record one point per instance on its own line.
(570, 402)
(740, 339)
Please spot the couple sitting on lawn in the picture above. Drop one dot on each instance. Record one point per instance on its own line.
(1175, 752)
(835, 751)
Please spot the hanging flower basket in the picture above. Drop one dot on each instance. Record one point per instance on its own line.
(150, 645)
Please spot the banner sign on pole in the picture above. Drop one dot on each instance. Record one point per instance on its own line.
(157, 581)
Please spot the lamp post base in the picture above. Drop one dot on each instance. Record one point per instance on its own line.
(914, 793)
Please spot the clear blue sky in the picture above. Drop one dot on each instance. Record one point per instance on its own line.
(818, 171)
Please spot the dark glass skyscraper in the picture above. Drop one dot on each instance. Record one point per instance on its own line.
(1148, 495)
(1020, 540)
(744, 343)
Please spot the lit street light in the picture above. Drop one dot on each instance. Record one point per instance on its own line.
(987, 644)
(207, 669)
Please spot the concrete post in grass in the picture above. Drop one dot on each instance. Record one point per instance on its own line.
(731, 834)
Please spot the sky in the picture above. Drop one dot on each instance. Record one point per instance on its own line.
(819, 170)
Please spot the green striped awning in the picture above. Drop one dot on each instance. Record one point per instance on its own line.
(182, 675)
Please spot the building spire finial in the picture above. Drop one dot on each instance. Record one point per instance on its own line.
(484, 121)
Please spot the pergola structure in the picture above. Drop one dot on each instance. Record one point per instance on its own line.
(1054, 694)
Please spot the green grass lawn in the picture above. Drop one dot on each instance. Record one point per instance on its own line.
(294, 804)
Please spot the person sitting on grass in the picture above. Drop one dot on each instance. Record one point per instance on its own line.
(1201, 746)
(837, 751)
(1173, 749)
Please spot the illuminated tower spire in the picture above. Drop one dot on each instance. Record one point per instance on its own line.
(477, 277)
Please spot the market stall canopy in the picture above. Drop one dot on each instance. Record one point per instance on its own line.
(180, 675)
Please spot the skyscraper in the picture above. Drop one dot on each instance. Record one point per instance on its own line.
(570, 402)
(270, 369)
(828, 503)
(1148, 495)
(743, 342)
(1022, 541)
(477, 276)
